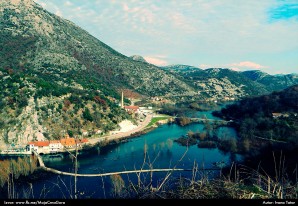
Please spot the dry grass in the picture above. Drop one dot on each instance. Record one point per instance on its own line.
(237, 182)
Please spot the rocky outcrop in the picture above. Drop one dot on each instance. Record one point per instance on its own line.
(26, 128)
(138, 58)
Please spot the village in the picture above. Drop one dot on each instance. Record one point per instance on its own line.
(47, 147)
(67, 143)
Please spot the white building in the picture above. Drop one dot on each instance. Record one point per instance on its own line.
(55, 146)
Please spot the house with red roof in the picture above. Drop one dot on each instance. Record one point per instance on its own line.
(41, 147)
(54, 146)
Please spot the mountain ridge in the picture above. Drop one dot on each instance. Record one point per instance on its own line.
(58, 79)
(61, 43)
(238, 84)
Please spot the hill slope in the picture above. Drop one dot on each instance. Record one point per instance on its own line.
(272, 82)
(272, 116)
(219, 83)
(57, 79)
(48, 42)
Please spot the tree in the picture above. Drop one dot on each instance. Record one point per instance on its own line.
(87, 115)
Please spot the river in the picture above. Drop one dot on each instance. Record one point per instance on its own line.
(161, 152)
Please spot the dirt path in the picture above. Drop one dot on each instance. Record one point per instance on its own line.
(119, 135)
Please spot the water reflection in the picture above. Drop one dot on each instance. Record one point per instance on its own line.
(156, 149)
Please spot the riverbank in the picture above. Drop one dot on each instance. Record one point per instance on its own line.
(150, 123)
(127, 130)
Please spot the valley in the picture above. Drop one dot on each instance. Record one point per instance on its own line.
(87, 108)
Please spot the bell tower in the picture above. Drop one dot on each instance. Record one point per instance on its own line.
(122, 100)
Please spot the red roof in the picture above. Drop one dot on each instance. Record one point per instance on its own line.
(40, 143)
(65, 142)
(84, 140)
(68, 141)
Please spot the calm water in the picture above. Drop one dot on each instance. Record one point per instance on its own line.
(162, 152)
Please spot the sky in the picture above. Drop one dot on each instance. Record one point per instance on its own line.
(236, 34)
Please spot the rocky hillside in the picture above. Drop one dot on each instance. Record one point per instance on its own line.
(272, 82)
(52, 44)
(138, 58)
(34, 109)
(181, 68)
(219, 83)
(57, 79)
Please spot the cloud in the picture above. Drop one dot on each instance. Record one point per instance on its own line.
(156, 60)
(191, 32)
(205, 66)
(241, 66)
(235, 69)
(247, 65)
(68, 3)
(51, 6)
(125, 7)
(58, 13)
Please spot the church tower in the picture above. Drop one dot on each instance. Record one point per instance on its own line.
(122, 101)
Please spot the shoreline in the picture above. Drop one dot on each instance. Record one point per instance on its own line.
(141, 129)
(119, 137)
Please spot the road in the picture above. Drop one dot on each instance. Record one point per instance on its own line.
(94, 141)
(119, 135)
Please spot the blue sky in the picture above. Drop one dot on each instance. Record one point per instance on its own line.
(236, 34)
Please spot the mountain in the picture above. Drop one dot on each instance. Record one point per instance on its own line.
(180, 68)
(57, 79)
(273, 115)
(272, 82)
(255, 74)
(266, 125)
(223, 83)
(47, 42)
(283, 102)
(218, 83)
